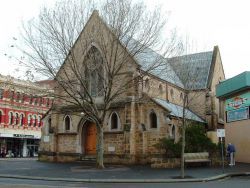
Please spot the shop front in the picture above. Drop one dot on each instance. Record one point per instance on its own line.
(18, 145)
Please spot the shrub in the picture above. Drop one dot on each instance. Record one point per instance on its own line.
(172, 149)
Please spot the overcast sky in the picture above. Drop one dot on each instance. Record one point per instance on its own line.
(206, 23)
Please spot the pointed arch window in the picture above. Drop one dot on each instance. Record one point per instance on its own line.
(114, 121)
(94, 73)
(172, 132)
(153, 119)
(67, 123)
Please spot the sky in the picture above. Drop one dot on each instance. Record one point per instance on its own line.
(207, 23)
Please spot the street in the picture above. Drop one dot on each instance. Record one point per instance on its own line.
(242, 182)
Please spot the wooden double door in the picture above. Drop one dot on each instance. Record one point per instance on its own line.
(90, 139)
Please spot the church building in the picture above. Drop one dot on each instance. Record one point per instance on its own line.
(136, 121)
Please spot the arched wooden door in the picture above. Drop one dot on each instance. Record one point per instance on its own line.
(90, 139)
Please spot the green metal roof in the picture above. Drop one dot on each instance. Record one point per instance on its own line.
(233, 85)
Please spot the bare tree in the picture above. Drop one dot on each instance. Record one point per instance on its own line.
(92, 56)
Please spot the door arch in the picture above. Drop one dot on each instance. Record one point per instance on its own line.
(89, 138)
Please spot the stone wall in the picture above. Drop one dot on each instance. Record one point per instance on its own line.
(165, 162)
(67, 143)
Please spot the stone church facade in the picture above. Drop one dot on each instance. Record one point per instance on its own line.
(138, 120)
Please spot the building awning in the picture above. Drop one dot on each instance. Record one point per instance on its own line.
(177, 111)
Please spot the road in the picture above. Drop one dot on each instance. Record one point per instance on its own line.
(242, 182)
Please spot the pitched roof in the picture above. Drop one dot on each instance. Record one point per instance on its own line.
(177, 111)
(193, 70)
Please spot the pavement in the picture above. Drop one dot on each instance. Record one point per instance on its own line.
(32, 169)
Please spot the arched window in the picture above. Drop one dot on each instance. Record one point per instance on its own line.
(1, 116)
(34, 120)
(94, 73)
(172, 133)
(67, 123)
(16, 120)
(39, 122)
(11, 118)
(153, 119)
(114, 121)
(21, 120)
(29, 120)
(147, 84)
(160, 89)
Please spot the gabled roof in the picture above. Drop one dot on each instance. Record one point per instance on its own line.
(193, 69)
(177, 111)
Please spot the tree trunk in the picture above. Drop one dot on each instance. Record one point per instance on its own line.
(99, 160)
(183, 135)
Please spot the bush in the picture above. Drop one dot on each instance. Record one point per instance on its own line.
(172, 149)
(197, 140)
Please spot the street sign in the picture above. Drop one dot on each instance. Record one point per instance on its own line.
(220, 133)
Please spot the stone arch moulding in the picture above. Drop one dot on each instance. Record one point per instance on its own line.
(153, 114)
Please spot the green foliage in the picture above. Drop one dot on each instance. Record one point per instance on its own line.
(197, 140)
(172, 149)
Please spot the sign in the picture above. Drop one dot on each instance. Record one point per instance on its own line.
(23, 136)
(238, 102)
(220, 133)
(46, 138)
(111, 149)
(236, 115)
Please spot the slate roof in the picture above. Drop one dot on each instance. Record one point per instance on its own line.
(177, 111)
(193, 70)
(188, 71)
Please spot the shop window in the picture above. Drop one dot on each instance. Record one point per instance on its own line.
(67, 123)
(153, 119)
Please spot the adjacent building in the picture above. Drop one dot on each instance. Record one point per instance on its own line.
(137, 120)
(235, 94)
(22, 106)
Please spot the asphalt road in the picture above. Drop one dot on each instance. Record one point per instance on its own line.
(242, 182)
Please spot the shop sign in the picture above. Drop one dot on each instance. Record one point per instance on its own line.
(238, 102)
(23, 136)
(239, 114)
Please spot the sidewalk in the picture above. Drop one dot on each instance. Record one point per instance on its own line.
(29, 168)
